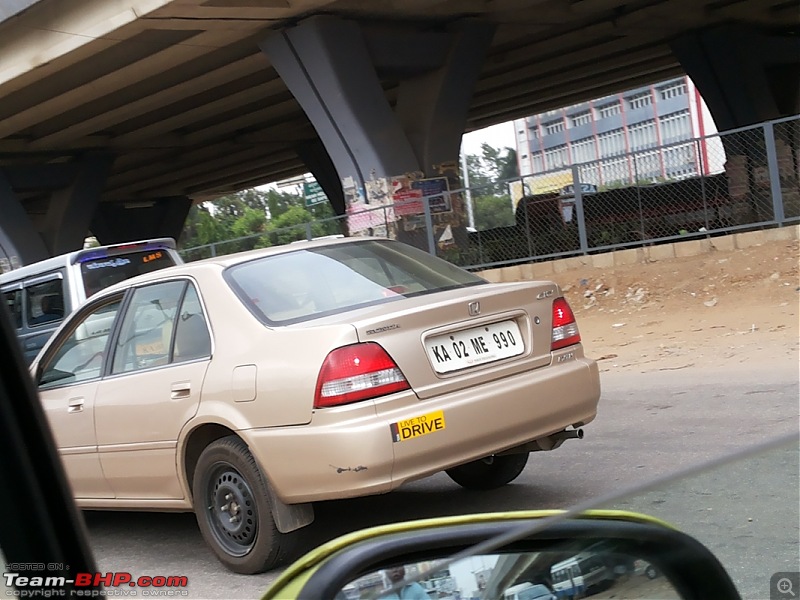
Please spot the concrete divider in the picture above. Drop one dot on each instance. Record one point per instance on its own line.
(620, 258)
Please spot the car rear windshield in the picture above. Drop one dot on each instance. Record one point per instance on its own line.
(316, 282)
(102, 272)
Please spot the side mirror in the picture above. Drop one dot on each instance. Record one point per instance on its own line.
(604, 554)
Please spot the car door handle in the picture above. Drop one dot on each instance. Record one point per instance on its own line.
(75, 405)
(181, 390)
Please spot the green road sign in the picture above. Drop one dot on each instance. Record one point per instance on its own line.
(313, 193)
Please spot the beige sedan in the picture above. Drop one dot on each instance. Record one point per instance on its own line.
(249, 386)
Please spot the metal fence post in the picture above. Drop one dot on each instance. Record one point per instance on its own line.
(774, 173)
(702, 173)
(213, 250)
(576, 187)
(426, 205)
(309, 234)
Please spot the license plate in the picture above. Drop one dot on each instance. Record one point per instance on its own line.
(476, 346)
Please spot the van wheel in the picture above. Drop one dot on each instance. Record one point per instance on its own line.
(232, 508)
(490, 472)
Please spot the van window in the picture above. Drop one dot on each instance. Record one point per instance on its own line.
(13, 300)
(102, 272)
(45, 302)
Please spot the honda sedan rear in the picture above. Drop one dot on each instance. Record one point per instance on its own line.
(249, 386)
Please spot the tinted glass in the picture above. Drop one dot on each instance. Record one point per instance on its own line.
(80, 354)
(315, 282)
(100, 273)
(146, 334)
(45, 302)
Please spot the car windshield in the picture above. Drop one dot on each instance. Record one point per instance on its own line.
(315, 282)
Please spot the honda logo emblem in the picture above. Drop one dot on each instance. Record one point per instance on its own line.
(474, 309)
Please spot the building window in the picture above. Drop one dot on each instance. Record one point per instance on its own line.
(640, 100)
(556, 157)
(616, 171)
(672, 90)
(554, 127)
(583, 151)
(536, 162)
(680, 161)
(609, 110)
(647, 165)
(643, 135)
(583, 118)
(675, 127)
(612, 143)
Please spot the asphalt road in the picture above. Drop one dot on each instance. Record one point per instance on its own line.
(648, 425)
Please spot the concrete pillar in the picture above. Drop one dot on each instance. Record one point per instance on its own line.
(748, 76)
(117, 222)
(20, 241)
(69, 193)
(66, 223)
(337, 68)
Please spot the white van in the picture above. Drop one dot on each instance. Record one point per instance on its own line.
(40, 295)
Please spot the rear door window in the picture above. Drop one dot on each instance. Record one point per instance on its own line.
(145, 338)
(104, 271)
(44, 302)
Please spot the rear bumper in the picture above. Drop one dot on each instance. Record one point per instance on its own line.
(351, 451)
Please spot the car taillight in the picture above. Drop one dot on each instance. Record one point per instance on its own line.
(357, 372)
(565, 328)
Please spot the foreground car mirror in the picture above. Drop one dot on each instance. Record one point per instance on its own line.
(622, 554)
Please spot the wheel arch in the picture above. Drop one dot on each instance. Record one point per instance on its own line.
(288, 517)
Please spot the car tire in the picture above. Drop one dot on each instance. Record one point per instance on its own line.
(231, 504)
(490, 472)
(651, 572)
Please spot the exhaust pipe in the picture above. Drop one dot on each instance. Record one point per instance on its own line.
(549, 442)
(567, 435)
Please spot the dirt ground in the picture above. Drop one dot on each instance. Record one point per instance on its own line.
(721, 311)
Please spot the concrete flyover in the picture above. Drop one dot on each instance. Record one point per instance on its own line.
(116, 115)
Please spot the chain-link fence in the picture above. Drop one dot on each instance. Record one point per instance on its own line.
(745, 178)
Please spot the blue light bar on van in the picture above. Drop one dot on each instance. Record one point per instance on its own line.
(93, 255)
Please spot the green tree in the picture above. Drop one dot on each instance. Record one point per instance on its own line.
(490, 167)
(493, 211)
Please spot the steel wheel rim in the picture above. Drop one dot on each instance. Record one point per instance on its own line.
(231, 510)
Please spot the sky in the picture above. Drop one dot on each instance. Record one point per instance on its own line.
(497, 136)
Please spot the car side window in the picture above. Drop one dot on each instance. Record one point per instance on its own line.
(145, 337)
(13, 300)
(45, 302)
(192, 339)
(79, 355)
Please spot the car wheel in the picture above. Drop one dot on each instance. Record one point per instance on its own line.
(651, 572)
(490, 472)
(232, 508)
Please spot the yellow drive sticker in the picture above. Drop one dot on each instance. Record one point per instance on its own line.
(417, 426)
